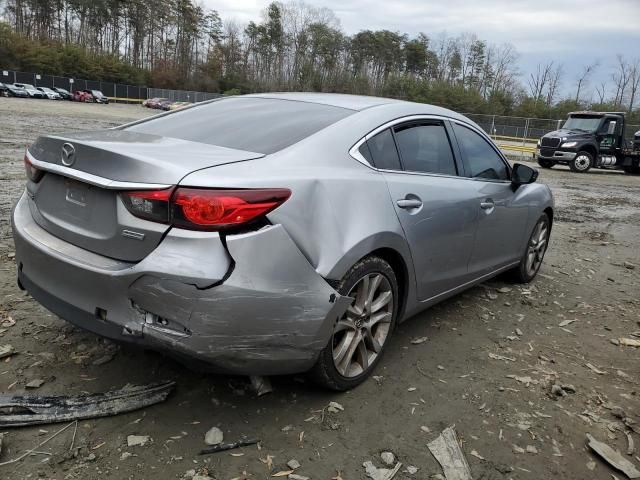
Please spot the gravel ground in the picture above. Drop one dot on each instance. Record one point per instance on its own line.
(488, 366)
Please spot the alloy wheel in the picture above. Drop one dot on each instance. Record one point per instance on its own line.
(537, 247)
(358, 337)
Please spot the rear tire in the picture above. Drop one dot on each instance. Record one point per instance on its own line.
(533, 255)
(544, 163)
(582, 162)
(360, 336)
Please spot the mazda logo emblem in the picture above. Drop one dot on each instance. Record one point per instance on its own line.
(68, 154)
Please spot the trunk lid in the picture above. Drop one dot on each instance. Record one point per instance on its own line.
(78, 199)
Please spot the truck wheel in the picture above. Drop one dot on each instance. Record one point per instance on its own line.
(582, 163)
(544, 163)
(632, 169)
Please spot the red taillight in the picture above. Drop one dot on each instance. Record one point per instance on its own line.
(33, 173)
(219, 209)
(204, 209)
(151, 205)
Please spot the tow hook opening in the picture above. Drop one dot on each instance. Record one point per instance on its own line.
(162, 324)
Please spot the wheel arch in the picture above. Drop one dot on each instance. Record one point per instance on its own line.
(589, 148)
(393, 249)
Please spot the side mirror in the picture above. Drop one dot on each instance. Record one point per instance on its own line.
(612, 128)
(522, 175)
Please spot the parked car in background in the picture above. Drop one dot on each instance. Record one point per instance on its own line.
(32, 91)
(13, 91)
(98, 96)
(294, 233)
(65, 94)
(165, 104)
(154, 102)
(50, 94)
(82, 96)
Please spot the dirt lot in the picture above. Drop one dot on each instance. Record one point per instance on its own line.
(488, 366)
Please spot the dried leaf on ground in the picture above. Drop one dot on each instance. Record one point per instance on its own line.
(613, 457)
(595, 369)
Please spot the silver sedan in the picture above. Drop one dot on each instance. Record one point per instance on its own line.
(273, 233)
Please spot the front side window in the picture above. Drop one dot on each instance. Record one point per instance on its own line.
(482, 159)
(425, 148)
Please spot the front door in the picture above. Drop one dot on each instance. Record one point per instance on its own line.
(502, 213)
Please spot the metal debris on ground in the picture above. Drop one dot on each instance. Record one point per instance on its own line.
(40, 409)
(222, 447)
(375, 473)
(446, 450)
(260, 385)
(613, 457)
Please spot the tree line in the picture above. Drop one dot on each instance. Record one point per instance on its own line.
(293, 46)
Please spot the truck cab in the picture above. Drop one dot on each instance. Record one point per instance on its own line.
(586, 140)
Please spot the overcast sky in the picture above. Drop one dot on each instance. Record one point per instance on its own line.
(572, 32)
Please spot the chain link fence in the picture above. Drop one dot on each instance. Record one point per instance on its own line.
(117, 92)
(181, 95)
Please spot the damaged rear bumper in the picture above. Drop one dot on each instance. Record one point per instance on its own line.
(254, 307)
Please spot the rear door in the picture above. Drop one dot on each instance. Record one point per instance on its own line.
(502, 213)
(434, 205)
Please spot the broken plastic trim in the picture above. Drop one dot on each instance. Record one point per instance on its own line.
(34, 409)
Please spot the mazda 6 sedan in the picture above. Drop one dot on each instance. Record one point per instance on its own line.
(273, 233)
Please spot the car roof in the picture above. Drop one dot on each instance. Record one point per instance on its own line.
(392, 108)
(351, 102)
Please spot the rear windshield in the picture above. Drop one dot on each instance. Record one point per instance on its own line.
(260, 125)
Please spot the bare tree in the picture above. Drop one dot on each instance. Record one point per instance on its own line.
(634, 82)
(555, 78)
(621, 79)
(601, 91)
(539, 80)
(584, 77)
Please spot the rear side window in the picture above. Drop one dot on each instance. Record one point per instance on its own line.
(382, 151)
(482, 159)
(425, 148)
(261, 125)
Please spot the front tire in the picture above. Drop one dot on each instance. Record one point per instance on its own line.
(544, 163)
(533, 255)
(582, 162)
(361, 334)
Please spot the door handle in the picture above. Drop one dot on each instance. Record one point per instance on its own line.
(409, 203)
(487, 204)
